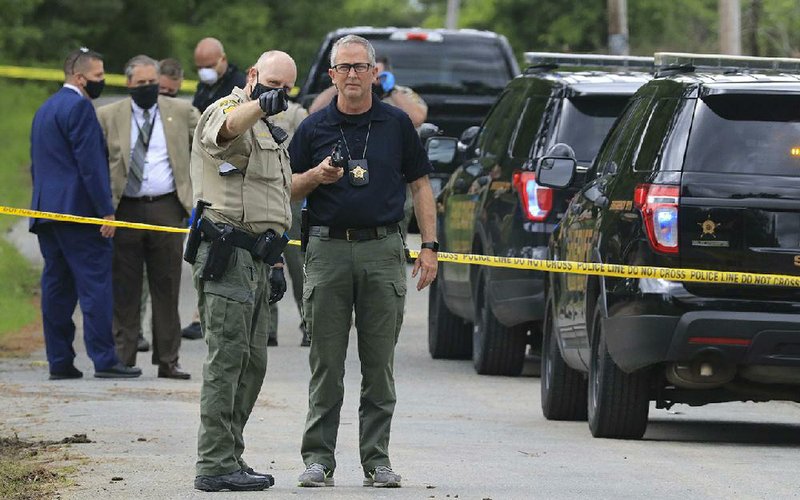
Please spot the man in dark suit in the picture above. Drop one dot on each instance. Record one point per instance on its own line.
(149, 138)
(70, 176)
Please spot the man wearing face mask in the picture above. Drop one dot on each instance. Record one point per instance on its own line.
(70, 176)
(240, 168)
(217, 76)
(149, 138)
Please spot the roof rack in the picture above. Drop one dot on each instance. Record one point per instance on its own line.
(553, 60)
(717, 63)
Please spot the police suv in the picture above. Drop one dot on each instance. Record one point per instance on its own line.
(701, 171)
(492, 204)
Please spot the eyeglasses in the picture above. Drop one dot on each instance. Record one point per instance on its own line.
(344, 68)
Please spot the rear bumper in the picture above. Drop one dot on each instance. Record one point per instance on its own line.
(766, 338)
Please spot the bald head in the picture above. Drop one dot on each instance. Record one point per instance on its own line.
(209, 53)
(274, 69)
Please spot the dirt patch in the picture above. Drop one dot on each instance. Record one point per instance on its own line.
(25, 341)
(34, 469)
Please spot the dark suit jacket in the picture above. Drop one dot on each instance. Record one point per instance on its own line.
(206, 95)
(68, 159)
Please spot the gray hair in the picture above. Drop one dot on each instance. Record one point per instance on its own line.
(347, 40)
(140, 60)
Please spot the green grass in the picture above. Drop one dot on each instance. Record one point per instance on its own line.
(18, 280)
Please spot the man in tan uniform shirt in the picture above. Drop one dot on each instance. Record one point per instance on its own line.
(240, 166)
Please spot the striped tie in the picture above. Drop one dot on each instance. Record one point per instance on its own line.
(138, 155)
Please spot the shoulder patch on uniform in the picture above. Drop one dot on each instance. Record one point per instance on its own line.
(228, 104)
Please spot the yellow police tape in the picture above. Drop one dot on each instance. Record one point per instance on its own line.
(57, 75)
(596, 269)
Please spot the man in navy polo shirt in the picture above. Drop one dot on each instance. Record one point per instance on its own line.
(355, 258)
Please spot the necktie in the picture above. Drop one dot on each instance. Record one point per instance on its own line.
(138, 155)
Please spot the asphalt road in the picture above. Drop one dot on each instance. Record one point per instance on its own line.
(455, 434)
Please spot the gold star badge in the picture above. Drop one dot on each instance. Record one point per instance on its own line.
(709, 227)
(359, 172)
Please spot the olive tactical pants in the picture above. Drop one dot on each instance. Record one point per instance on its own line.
(234, 317)
(368, 276)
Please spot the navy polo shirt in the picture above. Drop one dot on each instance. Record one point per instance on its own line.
(394, 152)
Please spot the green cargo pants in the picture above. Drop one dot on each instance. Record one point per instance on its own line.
(368, 276)
(294, 265)
(234, 317)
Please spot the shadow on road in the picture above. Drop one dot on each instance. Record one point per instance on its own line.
(704, 431)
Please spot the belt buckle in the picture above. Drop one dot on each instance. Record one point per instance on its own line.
(347, 234)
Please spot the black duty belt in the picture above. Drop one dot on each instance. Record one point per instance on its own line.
(237, 237)
(362, 234)
(148, 199)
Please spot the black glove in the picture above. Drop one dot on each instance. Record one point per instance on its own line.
(273, 101)
(277, 285)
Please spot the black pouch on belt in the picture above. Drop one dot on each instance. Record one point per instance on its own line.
(269, 246)
(219, 254)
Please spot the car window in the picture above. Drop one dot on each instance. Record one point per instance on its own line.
(752, 134)
(529, 126)
(456, 65)
(585, 122)
(654, 133)
(496, 129)
(616, 144)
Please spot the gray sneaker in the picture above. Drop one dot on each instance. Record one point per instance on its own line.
(382, 476)
(315, 475)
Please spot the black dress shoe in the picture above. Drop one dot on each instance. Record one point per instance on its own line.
(235, 481)
(173, 372)
(269, 477)
(119, 371)
(192, 331)
(142, 345)
(68, 373)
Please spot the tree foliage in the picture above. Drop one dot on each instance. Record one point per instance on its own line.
(43, 31)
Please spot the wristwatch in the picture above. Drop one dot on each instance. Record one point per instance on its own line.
(431, 245)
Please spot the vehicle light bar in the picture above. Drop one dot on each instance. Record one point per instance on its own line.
(588, 60)
(417, 35)
(720, 62)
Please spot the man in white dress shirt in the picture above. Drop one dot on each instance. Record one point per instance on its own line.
(149, 139)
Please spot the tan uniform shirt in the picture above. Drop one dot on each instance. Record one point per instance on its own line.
(290, 119)
(248, 179)
(410, 93)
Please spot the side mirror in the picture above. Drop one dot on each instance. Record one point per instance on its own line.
(467, 137)
(555, 171)
(428, 130)
(441, 150)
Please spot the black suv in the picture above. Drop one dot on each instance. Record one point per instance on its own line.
(459, 73)
(492, 205)
(701, 171)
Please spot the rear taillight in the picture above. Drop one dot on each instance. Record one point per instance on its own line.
(659, 206)
(536, 200)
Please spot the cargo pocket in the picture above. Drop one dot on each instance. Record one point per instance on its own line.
(308, 291)
(400, 289)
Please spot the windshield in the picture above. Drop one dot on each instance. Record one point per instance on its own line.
(735, 133)
(585, 123)
(454, 66)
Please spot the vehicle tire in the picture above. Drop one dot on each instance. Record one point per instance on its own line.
(618, 402)
(496, 349)
(449, 336)
(563, 389)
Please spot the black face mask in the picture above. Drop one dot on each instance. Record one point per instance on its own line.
(94, 88)
(259, 89)
(145, 96)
